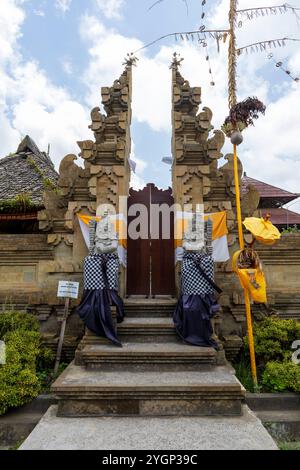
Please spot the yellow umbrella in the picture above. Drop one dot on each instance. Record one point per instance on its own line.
(262, 230)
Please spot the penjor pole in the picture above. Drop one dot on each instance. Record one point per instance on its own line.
(232, 58)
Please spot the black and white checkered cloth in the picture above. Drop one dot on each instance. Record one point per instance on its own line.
(95, 267)
(192, 280)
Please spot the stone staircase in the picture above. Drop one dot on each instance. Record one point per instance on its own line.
(153, 374)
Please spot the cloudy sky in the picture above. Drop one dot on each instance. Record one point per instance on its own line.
(56, 54)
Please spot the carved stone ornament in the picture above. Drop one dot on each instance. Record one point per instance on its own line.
(198, 236)
(103, 237)
(193, 239)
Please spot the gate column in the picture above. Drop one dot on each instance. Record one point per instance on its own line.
(107, 157)
(196, 178)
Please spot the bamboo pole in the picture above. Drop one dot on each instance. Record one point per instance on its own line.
(242, 245)
(232, 101)
(62, 334)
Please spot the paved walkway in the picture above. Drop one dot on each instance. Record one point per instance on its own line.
(244, 432)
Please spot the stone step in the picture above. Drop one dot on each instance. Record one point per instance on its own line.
(14, 429)
(282, 425)
(273, 401)
(147, 329)
(147, 357)
(151, 307)
(83, 392)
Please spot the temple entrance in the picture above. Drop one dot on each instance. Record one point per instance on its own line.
(150, 243)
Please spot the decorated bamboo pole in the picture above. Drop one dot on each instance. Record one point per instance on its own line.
(232, 102)
(246, 293)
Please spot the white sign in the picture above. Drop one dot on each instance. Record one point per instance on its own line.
(68, 289)
(2, 353)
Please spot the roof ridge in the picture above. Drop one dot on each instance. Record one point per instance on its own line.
(28, 143)
(245, 178)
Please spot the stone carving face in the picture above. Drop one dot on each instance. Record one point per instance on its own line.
(194, 238)
(106, 238)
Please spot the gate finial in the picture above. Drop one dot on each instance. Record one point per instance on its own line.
(176, 61)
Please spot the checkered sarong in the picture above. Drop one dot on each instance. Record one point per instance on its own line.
(95, 268)
(192, 280)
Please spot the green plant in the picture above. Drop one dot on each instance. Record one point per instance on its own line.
(20, 379)
(273, 338)
(17, 445)
(243, 373)
(47, 376)
(47, 182)
(10, 321)
(20, 203)
(281, 376)
(289, 445)
(293, 229)
(45, 359)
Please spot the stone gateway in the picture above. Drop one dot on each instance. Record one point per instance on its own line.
(41, 241)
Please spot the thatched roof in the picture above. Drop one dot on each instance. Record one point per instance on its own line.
(29, 171)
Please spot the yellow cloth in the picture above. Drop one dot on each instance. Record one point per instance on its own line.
(251, 279)
(254, 281)
(262, 230)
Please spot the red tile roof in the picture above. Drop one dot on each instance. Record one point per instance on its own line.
(282, 216)
(267, 190)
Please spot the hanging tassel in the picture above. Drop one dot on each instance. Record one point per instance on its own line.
(218, 43)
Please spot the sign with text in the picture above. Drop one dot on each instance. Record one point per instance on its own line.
(68, 289)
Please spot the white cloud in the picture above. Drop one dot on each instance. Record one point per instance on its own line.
(30, 102)
(110, 8)
(40, 13)
(271, 150)
(137, 179)
(67, 66)
(47, 112)
(63, 5)
(11, 19)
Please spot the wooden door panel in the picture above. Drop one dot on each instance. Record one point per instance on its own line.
(150, 263)
(138, 267)
(162, 250)
(138, 251)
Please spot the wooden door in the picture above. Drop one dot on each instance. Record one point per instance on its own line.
(138, 251)
(150, 260)
(162, 246)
